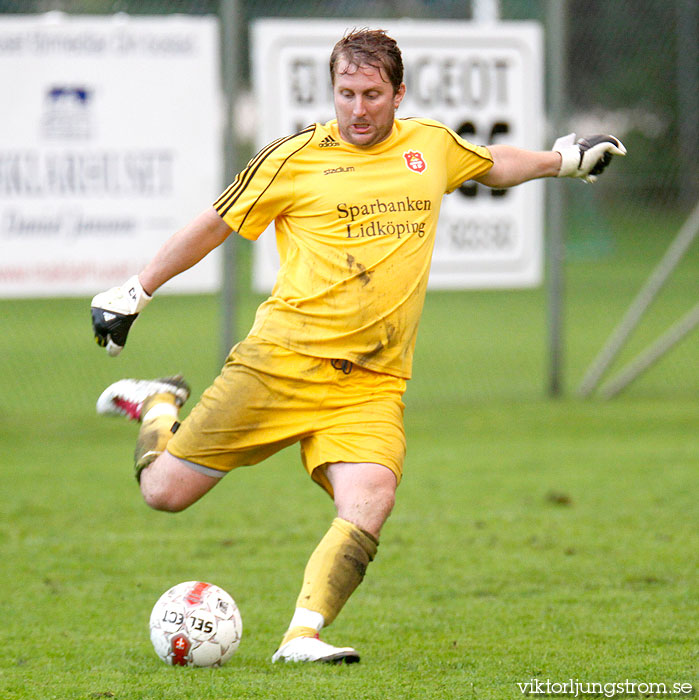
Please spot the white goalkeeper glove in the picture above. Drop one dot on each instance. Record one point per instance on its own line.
(587, 157)
(114, 311)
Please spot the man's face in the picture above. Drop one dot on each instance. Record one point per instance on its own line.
(365, 104)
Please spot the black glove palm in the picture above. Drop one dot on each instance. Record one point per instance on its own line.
(113, 314)
(587, 157)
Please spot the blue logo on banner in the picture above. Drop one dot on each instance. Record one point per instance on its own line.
(66, 113)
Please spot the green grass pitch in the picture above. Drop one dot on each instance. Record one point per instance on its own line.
(532, 538)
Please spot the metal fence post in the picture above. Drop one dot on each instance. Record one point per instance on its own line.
(687, 15)
(556, 24)
(230, 17)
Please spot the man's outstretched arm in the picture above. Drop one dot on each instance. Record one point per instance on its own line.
(585, 158)
(513, 166)
(184, 249)
(114, 311)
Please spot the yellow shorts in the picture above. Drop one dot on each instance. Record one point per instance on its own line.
(268, 397)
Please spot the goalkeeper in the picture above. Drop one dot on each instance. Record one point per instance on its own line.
(355, 204)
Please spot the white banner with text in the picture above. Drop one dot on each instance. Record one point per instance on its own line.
(483, 81)
(110, 140)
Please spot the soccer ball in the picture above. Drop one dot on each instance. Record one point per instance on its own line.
(195, 624)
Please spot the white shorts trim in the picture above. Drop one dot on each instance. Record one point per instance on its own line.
(216, 473)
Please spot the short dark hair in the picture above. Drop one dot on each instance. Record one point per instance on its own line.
(370, 47)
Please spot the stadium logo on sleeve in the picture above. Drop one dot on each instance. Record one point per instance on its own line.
(415, 161)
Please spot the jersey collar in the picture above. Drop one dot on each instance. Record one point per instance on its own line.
(377, 148)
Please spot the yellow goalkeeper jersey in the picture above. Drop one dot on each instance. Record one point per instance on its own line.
(355, 231)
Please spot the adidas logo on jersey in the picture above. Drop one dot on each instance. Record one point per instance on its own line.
(328, 142)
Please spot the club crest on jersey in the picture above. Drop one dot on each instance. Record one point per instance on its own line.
(415, 161)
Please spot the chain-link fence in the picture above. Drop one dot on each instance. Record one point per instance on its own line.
(629, 68)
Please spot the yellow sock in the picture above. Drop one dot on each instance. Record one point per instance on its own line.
(334, 570)
(159, 418)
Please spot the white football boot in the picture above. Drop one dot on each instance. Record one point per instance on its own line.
(126, 397)
(314, 649)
